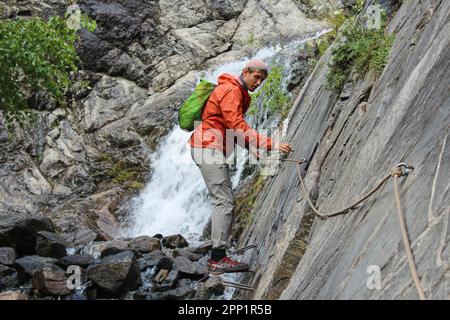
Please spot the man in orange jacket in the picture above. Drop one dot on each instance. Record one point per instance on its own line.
(212, 142)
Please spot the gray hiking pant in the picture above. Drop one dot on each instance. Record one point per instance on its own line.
(215, 172)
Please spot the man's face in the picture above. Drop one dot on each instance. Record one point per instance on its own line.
(253, 79)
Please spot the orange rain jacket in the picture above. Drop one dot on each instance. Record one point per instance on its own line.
(224, 110)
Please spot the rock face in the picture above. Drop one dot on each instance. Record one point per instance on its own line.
(402, 116)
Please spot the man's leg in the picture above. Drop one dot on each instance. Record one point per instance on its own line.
(216, 174)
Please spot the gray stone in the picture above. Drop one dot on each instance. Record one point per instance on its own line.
(211, 287)
(174, 241)
(13, 295)
(189, 269)
(49, 244)
(51, 280)
(82, 260)
(103, 249)
(145, 244)
(187, 254)
(156, 258)
(29, 265)
(7, 256)
(180, 293)
(19, 232)
(116, 274)
(201, 249)
(8, 277)
(169, 282)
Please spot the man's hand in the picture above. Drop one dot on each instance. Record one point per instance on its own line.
(283, 147)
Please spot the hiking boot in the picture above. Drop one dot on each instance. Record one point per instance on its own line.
(226, 265)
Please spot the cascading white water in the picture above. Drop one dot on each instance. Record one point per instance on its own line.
(175, 199)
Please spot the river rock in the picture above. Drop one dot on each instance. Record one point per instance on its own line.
(187, 254)
(49, 244)
(29, 265)
(211, 287)
(174, 241)
(169, 281)
(202, 248)
(19, 231)
(8, 277)
(51, 280)
(82, 260)
(189, 269)
(154, 259)
(116, 274)
(7, 256)
(145, 244)
(103, 249)
(13, 295)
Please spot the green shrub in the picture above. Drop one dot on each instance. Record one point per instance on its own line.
(36, 55)
(360, 50)
(245, 205)
(271, 95)
(120, 173)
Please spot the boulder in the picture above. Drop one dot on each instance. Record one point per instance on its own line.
(107, 248)
(13, 295)
(212, 286)
(7, 256)
(151, 260)
(202, 248)
(174, 241)
(19, 232)
(165, 263)
(116, 274)
(145, 244)
(8, 277)
(179, 294)
(169, 280)
(82, 260)
(184, 253)
(49, 244)
(51, 280)
(29, 265)
(189, 269)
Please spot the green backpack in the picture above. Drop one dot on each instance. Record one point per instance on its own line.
(191, 109)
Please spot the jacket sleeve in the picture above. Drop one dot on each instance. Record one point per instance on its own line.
(233, 115)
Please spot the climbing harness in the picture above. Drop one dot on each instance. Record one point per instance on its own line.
(400, 170)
